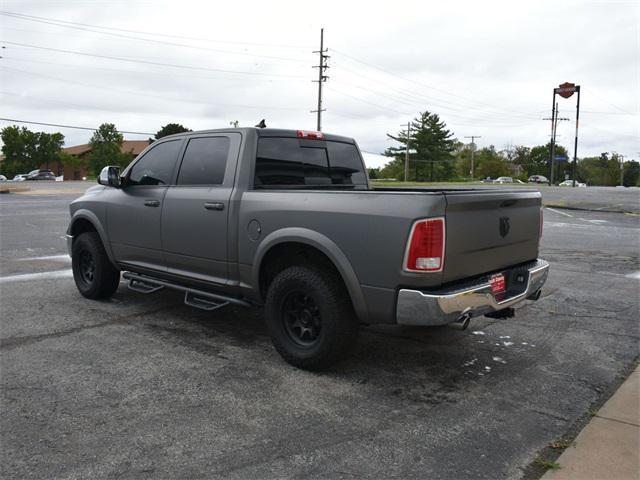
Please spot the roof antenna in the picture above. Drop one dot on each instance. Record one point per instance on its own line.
(261, 124)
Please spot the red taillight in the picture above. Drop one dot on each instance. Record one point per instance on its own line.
(425, 252)
(310, 135)
(541, 221)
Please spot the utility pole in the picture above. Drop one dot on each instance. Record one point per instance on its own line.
(554, 128)
(406, 152)
(621, 170)
(473, 153)
(322, 67)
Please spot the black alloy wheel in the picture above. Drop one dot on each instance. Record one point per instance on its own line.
(302, 320)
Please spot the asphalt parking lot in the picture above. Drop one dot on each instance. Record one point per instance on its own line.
(145, 387)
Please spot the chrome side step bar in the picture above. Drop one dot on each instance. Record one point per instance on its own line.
(192, 297)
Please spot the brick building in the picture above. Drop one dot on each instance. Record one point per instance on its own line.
(132, 147)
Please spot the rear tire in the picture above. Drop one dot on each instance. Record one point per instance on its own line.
(93, 273)
(310, 318)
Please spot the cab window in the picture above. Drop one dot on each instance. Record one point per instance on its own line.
(156, 166)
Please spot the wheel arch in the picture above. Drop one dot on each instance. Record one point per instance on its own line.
(86, 221)
(316, 244)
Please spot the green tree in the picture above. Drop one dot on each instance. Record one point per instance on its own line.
(374, 173)
(431, 148)
(463, 159)
(603, 170)
(25, 150)
(48, 148)
(106, 145)
(71, 161)
(169, 129)
(490, 163)
(538, 163)
(631, 174)
(393, 169)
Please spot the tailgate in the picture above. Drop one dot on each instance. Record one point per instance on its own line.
(490, 230)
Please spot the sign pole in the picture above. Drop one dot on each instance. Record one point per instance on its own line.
(551, 150)
(575, 144)
(553, 145)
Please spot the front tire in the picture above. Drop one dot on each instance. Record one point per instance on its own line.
(93, 273)
(310, 318)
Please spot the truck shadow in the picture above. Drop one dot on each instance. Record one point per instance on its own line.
(427, 366)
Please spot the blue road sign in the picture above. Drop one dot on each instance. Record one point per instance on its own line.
(561, 158)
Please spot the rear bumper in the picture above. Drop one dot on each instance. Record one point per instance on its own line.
(473, 299)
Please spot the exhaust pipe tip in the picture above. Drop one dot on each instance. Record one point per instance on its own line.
(535, 295)
(462, 323)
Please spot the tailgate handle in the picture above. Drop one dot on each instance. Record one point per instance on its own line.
(214, 205)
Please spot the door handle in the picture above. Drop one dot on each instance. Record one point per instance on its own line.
(214, 205)
(151, 203)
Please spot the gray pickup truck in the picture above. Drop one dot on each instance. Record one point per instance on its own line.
(287, 219)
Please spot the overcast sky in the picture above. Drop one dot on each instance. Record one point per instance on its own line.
(487, 68)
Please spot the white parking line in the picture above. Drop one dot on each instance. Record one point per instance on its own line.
(26, 277)
(57, 258)
(558, 211)
(595, 222)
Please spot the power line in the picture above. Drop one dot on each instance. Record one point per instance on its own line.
(590, 90)
(441, 103)
(142, 32)
(419, 83)
(67, 126)
(151, 40)
(136, 72)
(160, 97)
(147, 62)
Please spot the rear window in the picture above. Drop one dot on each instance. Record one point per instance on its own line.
(298, 162)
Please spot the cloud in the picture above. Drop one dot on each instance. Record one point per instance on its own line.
(487, 68)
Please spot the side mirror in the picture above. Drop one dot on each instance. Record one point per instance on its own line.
(110, 177)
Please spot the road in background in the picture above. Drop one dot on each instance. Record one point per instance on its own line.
(614, 199)
(143, 386)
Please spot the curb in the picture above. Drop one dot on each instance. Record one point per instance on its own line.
(13, 189)
(608, 447)
(591, 208)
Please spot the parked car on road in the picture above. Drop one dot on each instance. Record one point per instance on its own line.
(569, 183)
(538, 179)
(20, 177)
(503, 180)
(3, 178)
(287, 219)
(41, 175)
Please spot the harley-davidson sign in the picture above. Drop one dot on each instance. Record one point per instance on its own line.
(566, 89)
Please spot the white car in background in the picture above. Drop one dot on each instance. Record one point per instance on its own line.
(20, 177)
(503, 180)
(569, 183)
(3, 178)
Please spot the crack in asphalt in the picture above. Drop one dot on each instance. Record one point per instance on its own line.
(10, 343)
